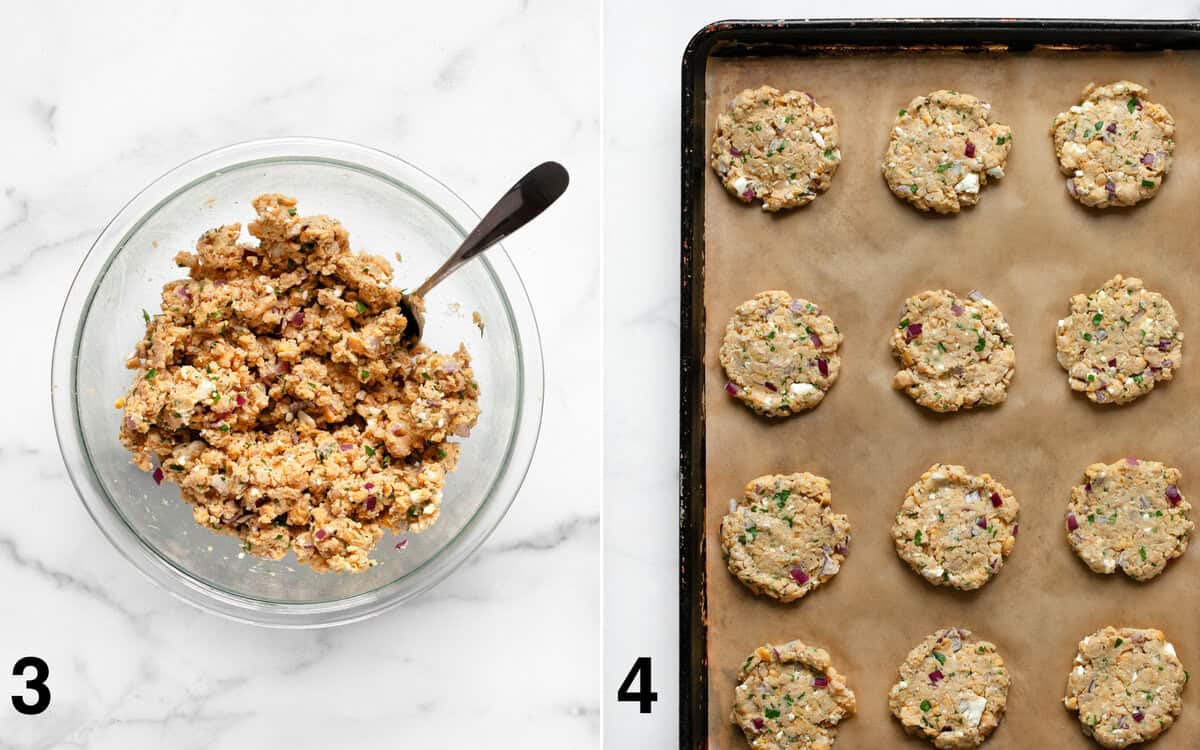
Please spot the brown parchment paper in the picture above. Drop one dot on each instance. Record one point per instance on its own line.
(858, 252)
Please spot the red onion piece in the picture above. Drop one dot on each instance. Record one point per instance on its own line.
(1148, 159)
(371, 502)
(816, 340)
(841, 549)
(1131, 461)
(157, 475)
(1071, 188)
(996, 501)
(795, 306)
(1112, 362)
(748, 194)
(970, 150)
(799, 576)
(369, 486)
(344, 447)
(823, 367)
(182, 291)
(735, 151)
(282, 367)
(1138, 716)
(1110, 187)
(820, 681)
(913, 330)
(320, 534)
(1164, 345)
(935, 675)
(956, 309)
(1173, 495)
(758, 723)
(463, 430)
(1112, 127)
(771, 387)
(1087, 487)
(982, 523)
(402, 544)
(241, 400)
(1016, 527)
(298, 319)
(731, 389)
(1072, 524)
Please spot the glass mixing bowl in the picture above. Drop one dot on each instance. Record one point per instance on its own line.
(389, 207)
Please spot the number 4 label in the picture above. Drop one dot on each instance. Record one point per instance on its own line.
(644, 696)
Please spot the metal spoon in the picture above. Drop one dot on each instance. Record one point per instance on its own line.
(532, 194)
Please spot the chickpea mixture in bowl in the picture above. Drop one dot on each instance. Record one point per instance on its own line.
(274, 387)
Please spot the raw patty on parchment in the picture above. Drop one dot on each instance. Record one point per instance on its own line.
(954, 352)
(1115, 146)
(780, 354)
(781, 149)
(782, 539)
(1119, 341)
(1129, 515)
(954, 528)
(952, 690)
(1126, 685)
(943, 149)
(790, 697)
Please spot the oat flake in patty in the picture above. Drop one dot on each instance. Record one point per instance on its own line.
(1126, 686)
(1129, 515)
(943, 149)
(790, 697)
(782, 539)
(1115, 146)
(954, 528)
(1119, 341)
(275, 390)
(781, 149)
(952, 690)
(780, 354)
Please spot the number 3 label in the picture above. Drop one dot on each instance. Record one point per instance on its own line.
(36, 684)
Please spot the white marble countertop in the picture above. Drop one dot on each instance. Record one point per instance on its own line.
(644, 44)
(96, 103)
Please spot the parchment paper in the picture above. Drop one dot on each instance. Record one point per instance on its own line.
(858, 252)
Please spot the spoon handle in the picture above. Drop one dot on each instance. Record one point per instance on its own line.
(532, 194)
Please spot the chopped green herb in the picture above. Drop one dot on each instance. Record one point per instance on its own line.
(1118, 643)
(917, 537)
(360, 307)
(771, 713)
(941, 658)
(1097, 319)
(902, 113)
(370, 451)
(145, 316)
(944, 166)
(1132, 104)
(979, 344)
(151, 373)
(1142, 553)
(926, 705)
(1147, 183)
(291, 212)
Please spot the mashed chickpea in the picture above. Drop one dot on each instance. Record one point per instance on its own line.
(275, 390)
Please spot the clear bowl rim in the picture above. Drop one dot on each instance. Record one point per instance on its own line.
(168, 575)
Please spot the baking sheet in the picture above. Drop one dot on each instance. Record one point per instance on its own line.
(859, 252)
